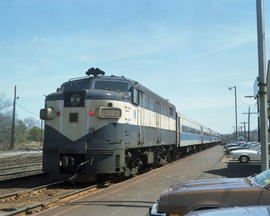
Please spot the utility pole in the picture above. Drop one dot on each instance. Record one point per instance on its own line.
(259, 121)
(12, 139)
(240, 130)
(244, 129)
(249, 113)
(262, 85)
(235, 103)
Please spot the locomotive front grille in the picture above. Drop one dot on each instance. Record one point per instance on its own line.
(73, 117)
(99, 152)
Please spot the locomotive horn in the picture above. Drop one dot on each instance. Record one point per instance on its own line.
(94, 71)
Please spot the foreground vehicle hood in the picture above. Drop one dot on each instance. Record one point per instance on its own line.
(187, 196)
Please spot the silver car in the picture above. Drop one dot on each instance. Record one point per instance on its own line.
(245, 155)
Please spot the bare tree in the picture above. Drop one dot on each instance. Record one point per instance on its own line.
(5, 129)
(4, 103)
(31, 122)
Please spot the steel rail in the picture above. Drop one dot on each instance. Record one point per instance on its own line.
(23, 193)
(20, 172)
(22, 177)
(52, 202)
(19, 158)
(19, 166)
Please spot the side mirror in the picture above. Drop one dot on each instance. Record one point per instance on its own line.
(127, 95)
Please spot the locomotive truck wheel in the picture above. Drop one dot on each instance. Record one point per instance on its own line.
(244, 159)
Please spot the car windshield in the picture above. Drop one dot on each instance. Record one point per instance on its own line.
(262, 179)
(257, 148)
(77, 85)
(112, 86)
(254, 147)
(243, 145)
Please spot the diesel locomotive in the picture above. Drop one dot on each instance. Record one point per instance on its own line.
(99, 125)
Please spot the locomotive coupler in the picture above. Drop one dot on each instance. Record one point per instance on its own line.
(80, 167)
(83, 164)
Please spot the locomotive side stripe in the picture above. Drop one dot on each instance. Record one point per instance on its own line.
(131, 115)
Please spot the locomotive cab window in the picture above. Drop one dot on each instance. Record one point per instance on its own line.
(112, 86)
(77, 85)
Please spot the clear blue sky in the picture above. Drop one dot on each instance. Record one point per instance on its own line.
(187, 51)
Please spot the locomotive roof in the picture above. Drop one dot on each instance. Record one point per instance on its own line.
(132, 82)
(141, 88)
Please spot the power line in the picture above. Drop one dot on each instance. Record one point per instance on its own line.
(28, 111)
(254, 107)
(244, 102)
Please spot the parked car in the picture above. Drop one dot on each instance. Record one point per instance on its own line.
(194, 195)
(230, 144)
(241, 142)
(246, 155)
(241, 138)
(234, 211)
(231, 148)
(242, 146)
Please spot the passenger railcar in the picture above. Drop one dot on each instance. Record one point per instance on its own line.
(104, 125)
(190, 131)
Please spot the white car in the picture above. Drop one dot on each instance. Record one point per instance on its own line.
(245, 155)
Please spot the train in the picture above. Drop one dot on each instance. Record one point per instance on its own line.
(98, 126)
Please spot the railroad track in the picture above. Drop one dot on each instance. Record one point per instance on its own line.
(15, 161)
(20, 174)
(39, 198)
(16, 166)
(42, 197)
(18, 171)
(20, 166)
(20, 159)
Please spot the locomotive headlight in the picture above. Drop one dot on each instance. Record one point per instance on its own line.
(110, 112)
(47, 113)
(75, 99)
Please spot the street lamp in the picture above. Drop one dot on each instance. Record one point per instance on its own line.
(235, 100)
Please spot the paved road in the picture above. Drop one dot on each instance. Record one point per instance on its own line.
(136, 195)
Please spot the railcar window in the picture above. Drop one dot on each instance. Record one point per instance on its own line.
(171, 111)
(112, 86)
(77, 85)
(206, 134)
(151, 103)
(164, 108)
(191, 130)
(146, 97)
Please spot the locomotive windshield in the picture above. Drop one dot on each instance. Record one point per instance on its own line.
(112, 86)
(77, 85)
